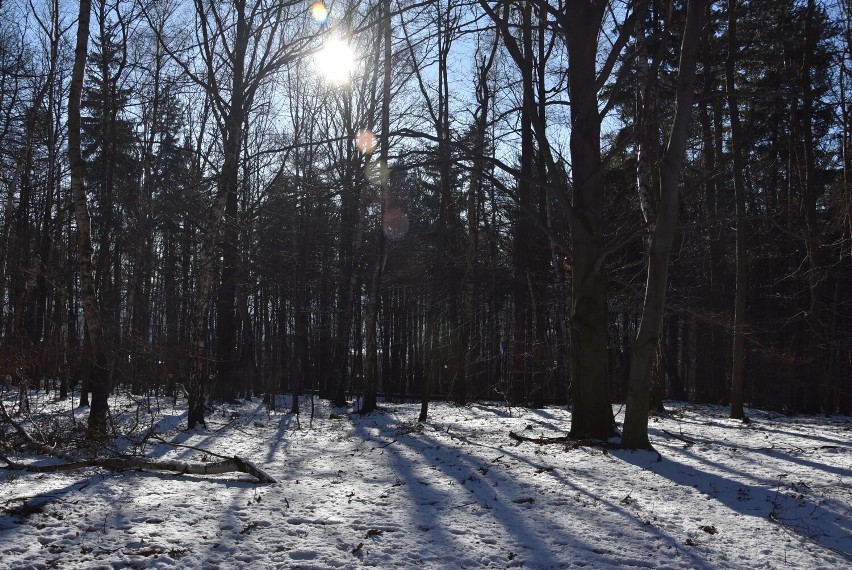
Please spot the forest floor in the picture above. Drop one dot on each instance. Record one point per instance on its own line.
(453, 492)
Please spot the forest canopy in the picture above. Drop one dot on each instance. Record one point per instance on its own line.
(537, 202)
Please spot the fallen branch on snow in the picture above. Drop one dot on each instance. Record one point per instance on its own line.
(574, 443)
(234, 464)
(227, 465)
(540, 440)
(682, 438)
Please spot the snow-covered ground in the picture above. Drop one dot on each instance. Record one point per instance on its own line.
(453, 492)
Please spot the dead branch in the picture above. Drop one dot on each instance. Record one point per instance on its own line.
(41, 447)
(680, 437)
(192, 447)
(234, 464)
(70, 462)
(540, 440)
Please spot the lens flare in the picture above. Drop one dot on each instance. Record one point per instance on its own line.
(365, 142)
(335, 61)
(319, 12)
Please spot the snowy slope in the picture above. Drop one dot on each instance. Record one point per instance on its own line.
(453, 492)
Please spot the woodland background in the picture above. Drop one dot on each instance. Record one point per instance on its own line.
(466, 216)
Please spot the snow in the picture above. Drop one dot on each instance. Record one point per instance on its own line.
(454, 492)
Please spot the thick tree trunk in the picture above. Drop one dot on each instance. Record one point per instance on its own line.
(592, 412)
(349, 246)
(224, 209)
(226, 384)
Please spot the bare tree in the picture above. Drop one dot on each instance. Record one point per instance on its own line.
(738, 369)
(645, 346)
(240, 49)
(91, 310)
(580, 24)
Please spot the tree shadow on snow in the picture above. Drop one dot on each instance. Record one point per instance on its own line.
(449, 487)
(787, 502)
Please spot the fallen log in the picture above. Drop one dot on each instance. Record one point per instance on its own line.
(540, 440)
(234, 464)
(70, 462)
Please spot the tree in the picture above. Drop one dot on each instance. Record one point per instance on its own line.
(742, 231)
(100, 383)
(113, 170)
(240, 50)
(645, 346)
(371, 368)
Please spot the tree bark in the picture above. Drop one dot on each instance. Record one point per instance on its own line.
(710, 374)
(91, 311)
(592, 412)
(647, 339)
(522, 246)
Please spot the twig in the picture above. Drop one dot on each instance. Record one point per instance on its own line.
(680, 437)
(192, 447)
(46, 449)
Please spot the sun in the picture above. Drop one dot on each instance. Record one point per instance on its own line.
(335, 61)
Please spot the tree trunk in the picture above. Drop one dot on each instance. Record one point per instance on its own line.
(592, 411)
(709, 373)
(484, 65)
(371, 368)
(817, 377)
(222, 213)
(647, 338)
(349, 245)
(738, 368)
(99, 380)
(226, 383)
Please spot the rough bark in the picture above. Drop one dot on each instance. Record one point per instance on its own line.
(224, 205)
(592, 413)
